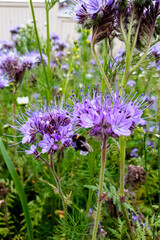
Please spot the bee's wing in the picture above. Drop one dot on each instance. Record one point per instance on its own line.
(87, 146)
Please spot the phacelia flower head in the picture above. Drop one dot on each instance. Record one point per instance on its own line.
(99, 14)
(114, 116)
(31, 60)
(45, 129)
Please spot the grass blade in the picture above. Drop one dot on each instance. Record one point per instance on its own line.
(19, 188)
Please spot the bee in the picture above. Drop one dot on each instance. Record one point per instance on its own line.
(81, 144)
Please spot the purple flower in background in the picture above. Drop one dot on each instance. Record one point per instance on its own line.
(46, 129)
(134, 153)
(15, 30)
(136, 218)
(55, 48)
(61, 45)
(131, 83)
(93, 62)
(9, 64)
(155, 50)
(108, 115)
(65, 66)
(6, 45)
(31, 60)
(15, 66)
(54, 36)
(120, 55)
(59, 54)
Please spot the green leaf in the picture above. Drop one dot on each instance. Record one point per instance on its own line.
(19, 188)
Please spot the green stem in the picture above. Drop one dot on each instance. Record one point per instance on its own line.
(67, 79)
(122, 163)
(128, 52)
(59, 187)
(146, 172)
(101, 68)
(48, 42)
(39, 45)
(89, 203)
(122, 29)
(103, 162)
(159, 168)
(122, 174)
(105, 67)
(136, 35)
(143, 57)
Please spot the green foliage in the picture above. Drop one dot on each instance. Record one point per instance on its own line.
(120, 233)
(77, 228)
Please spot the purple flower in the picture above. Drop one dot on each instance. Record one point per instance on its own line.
(108, 115)
(30, 60)
(15, 30)
(131, 83)
(65, 66)
(48, 144)
(54, 36)
(134, 153)
(9, 64)
(136, 218)
(6, 45)
(93, 62)
(99, 14)
(120, 55)
(46, 128)
(59, 54)
(32, 150)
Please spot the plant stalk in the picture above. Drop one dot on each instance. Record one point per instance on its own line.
(105, 67)
(146, 172)
(39, 46)
(47, 28)
(59, 187)
(122, 174)
(101, 68)
(103, 162)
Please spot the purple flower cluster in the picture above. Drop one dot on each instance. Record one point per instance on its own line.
(108, 115)
(99, 14)
(14, 66)
(47, 129)
(6, 45)
(90, 9)
(58, 48)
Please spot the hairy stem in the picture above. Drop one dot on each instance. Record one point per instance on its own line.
(47, 27)
(146, 172)
(122, 29)
(143, 56)
(101, 68)
(105, 67)
(59, 187)
(159, 167)
(128, 52)
(39, 45)
(90, 194)
(122, 174)
(103, 162)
